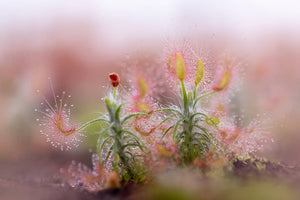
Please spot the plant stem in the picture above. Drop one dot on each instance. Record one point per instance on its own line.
(115, 92)
(83, 126)
(200, 97)
(185, 99)
(195, 90)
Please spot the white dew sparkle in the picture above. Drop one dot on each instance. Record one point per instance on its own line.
(56, 126)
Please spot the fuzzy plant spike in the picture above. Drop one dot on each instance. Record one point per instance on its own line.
(192, 129)
(116, 143)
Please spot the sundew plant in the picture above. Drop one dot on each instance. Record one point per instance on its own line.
(190, 130)
(139, 134)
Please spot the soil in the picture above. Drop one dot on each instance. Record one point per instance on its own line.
(38, 177)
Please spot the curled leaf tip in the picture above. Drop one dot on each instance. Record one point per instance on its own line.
(223, 82)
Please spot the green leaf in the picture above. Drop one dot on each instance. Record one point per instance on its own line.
(108, 154)
(166, 131)
(131, 133)
(127, 117)
(176, 127)
(132, 145)
(166, 119)
(200, 97)
(129, 153)
(198, 113)
(93, 121)
(101, 146)
(170, 109)
(117, 113)
(201, 128)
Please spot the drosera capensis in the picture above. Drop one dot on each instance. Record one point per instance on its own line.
(55, 122)
(191, 128)
(117, 143)
(139, 133)
(118, 147)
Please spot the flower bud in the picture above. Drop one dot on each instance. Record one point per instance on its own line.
(199, 72)
(223, 82)
(180, 66)
(114, 79)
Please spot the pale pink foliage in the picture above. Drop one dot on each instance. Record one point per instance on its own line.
(80, 175)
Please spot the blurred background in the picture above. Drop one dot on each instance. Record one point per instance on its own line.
(77, 43)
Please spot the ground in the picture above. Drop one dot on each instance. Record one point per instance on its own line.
(38, 177)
